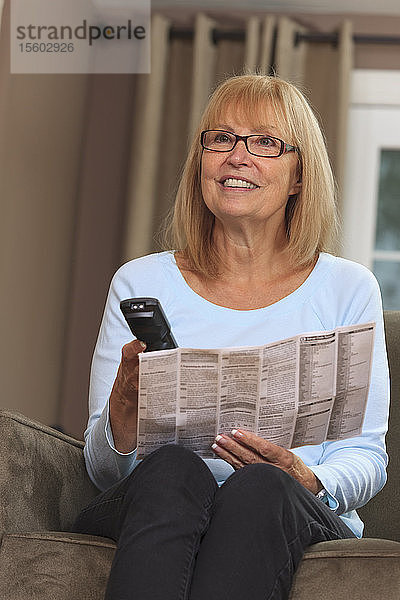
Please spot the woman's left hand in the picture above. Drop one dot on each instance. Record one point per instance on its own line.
(244, 448)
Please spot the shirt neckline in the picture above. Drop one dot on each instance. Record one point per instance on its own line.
(300, 294)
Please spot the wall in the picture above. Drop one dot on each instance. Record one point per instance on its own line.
(41, 123)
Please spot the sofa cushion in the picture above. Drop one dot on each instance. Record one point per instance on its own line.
(366, 569)
(54, 566)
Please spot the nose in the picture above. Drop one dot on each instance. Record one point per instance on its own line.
(239, 154)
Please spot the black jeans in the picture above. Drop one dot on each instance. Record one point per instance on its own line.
(180, 537)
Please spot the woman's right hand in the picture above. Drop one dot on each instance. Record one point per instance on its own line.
(124, 398)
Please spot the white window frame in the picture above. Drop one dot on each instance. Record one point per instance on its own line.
(374, 123)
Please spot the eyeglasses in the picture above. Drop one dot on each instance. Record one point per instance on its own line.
(258, 144)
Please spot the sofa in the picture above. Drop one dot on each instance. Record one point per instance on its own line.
(43, 486)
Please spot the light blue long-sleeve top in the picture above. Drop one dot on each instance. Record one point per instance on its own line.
(337, 292)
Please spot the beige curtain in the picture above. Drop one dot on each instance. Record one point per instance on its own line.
(144, 156)
(323, 71)
(204, 62)
(289, 58)
(98, 225)
(267, 44)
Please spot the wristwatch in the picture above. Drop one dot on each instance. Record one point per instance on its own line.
(322, 495)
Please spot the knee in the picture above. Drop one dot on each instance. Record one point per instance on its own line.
(264, 474)
(173, 452)
(173, 456)
(172, 467)
(260, 483)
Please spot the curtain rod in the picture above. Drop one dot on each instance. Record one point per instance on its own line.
(218, 35)
(333, 38)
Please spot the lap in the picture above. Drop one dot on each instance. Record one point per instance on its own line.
(270, 493)
(259, 488)
(158, 475)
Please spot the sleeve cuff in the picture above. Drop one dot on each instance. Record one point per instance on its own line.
(328, 497)
(110, 439)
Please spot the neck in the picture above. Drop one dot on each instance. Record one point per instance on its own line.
(248, 255)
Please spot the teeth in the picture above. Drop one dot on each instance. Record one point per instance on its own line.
(240, 183)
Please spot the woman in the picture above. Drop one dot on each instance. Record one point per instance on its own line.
(253, 218)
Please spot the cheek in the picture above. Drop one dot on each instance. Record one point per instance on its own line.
(209, 171)
(285, 178)
(207, 168)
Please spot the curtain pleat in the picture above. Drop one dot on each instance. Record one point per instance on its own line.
(252, 44)
(145, 147)
(267, 44)
(327, 79)
(174, 131)
(322, 71)
(204, 57)
(230, 59)
(98, 226)
(289, 58)
(345, 67)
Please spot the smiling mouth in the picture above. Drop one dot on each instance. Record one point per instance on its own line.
(231, 182)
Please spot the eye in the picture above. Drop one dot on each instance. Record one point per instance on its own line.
(266, 141)
(221, 137)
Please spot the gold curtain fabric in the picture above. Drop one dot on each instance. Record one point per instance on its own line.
(144, 156)
(327, 82)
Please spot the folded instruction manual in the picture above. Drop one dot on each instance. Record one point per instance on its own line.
(302, 390)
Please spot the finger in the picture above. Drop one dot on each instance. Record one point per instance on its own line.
(244, 454)
(271, 452)
(132, 378)
(132, 349)
(127, 380)
(234, 461)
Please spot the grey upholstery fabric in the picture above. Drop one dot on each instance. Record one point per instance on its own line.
(43, 486)
(54, 566)
(43, 480)
(382, 515)
(366, 569)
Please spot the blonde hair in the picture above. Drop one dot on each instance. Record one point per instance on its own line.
(311, 218)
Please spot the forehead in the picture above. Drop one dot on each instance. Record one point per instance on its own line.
(260, 118)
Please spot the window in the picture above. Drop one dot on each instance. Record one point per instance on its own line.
(371, 211)
(386, 254)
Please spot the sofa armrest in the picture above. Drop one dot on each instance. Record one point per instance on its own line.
(43, 479)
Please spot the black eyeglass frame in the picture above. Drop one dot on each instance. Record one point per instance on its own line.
(284, 147)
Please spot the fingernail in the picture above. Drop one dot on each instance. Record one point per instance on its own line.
(142, 344)
(215, 447)
(236, 433)
(219, 437)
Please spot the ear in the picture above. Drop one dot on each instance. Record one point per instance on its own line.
(296, 188)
